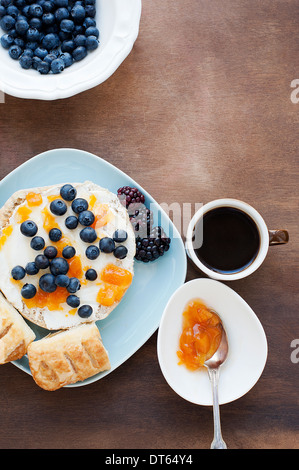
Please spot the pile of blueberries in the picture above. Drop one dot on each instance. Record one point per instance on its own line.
(58, 265)
(48, 35)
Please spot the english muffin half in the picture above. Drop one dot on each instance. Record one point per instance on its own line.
(66, 253)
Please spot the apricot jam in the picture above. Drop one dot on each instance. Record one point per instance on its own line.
(75, 269)
(117, 276)
(115, 282)
(34, 199)
(49, 220)
(22, 214)
(6, 232)
(108, 294)
(201, 335)
(53, 300)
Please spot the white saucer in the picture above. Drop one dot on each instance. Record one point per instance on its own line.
(247, 344)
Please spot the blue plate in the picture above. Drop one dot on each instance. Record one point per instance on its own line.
(138, 315)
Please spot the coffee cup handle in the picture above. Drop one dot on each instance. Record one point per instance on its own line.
(278, 237)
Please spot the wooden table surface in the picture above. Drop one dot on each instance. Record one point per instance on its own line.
(200, 109)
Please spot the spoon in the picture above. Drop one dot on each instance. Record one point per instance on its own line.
(213, 365)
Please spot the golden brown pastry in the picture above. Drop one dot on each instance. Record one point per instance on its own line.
(15, 334)
(67, 357)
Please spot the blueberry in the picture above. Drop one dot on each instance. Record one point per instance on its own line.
(79, 205)
(2, 11)
(73, 301)
(71, 222)
(41, 262)
(120, 236)
(32, 45)
(7, 23)
(85, 311)
(22, 26)
(31, 268)
(80, 40)
(68, 192)
(86, 218)
(67, 59)
(62, 280)
(68, 45)
(88, 235)
(107, 245)
(20, 42)
(91, 274)
(50, 41)
(48, 18)
(92, 31)
(120, 252)
(18, 272)
(55, 234)
(48, 5)
(7, 41)
(74, 285)
(13, 11)
(37, 24)
(36, 61)
(61, 14)
(58, 207)
(25, 61)
(43, 67)
(79, 53)
(50, 252)
(68, 252)
(78, 13)
(79, 29)
(28, 52)
(57, 66)
(67, 26)
(49, 58)
(25, 11)
(33, 34)
(59, 266)
(28, 228)
(37, 243)
(28, 291)
(91, 43)
(92, 252)
(14, 52)
(40, 52)
(89, 22)
(55, 52)
(47, 283)
(90, 10)
(35, 10)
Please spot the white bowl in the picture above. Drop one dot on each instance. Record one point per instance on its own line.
(247, 344)
(118, 22)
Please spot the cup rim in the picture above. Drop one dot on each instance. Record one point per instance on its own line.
(260, 223)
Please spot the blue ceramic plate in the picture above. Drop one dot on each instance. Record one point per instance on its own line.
(138, 315)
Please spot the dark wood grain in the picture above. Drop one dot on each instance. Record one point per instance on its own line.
(200, 109)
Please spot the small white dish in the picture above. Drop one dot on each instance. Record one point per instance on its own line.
(118, 23)
(246, 337)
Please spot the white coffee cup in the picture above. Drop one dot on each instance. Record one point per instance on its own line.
(267, 238)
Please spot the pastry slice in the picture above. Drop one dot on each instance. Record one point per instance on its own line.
(15, 334)
(67, 357)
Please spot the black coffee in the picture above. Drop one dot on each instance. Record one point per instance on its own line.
(231, 240)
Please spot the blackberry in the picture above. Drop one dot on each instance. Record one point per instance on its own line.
(142, 221)
(152, 247)
(128, 195)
